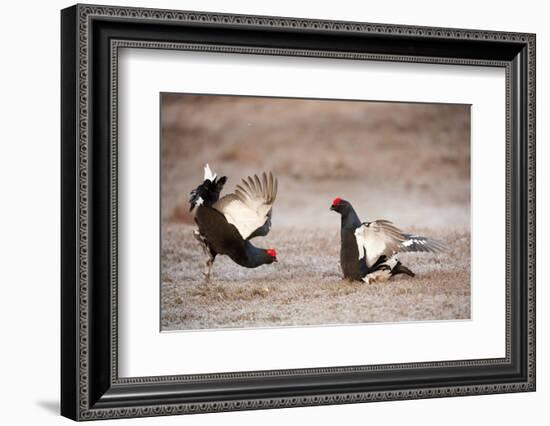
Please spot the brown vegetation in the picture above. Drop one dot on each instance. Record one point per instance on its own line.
(305, 288)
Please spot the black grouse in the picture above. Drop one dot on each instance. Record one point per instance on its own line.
(367, 249)
(226, 225)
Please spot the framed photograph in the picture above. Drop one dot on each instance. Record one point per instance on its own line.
(263, 212)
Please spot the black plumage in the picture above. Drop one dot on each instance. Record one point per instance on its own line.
(223, 238)
(226, 225)
(352, 267)
(207, 193)
(368, 247)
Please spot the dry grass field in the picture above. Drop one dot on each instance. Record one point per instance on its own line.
(403, 162)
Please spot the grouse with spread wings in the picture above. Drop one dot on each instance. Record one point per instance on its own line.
(227, 224)
(368, 249)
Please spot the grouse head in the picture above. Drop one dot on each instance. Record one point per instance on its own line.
(340, 206)
(270, 256)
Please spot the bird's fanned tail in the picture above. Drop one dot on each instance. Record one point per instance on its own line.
(399, 268)
(208, 192)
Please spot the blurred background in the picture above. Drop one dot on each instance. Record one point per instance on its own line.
(406, 162)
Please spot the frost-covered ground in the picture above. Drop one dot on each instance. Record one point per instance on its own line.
(305, 286)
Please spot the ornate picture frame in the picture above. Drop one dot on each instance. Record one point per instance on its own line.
(91, 39)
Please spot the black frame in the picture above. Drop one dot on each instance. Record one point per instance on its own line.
(91, 37)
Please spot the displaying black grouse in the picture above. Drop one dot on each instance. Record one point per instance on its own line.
(367, 248)
(227, 224)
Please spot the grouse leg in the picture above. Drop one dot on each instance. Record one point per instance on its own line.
(209, 264)
(207, 251)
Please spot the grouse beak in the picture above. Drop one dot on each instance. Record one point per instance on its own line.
(275, 259)
(332, 208)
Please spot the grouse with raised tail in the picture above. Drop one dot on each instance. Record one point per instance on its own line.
(226, 225)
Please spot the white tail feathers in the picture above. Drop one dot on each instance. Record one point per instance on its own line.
(209, 174)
